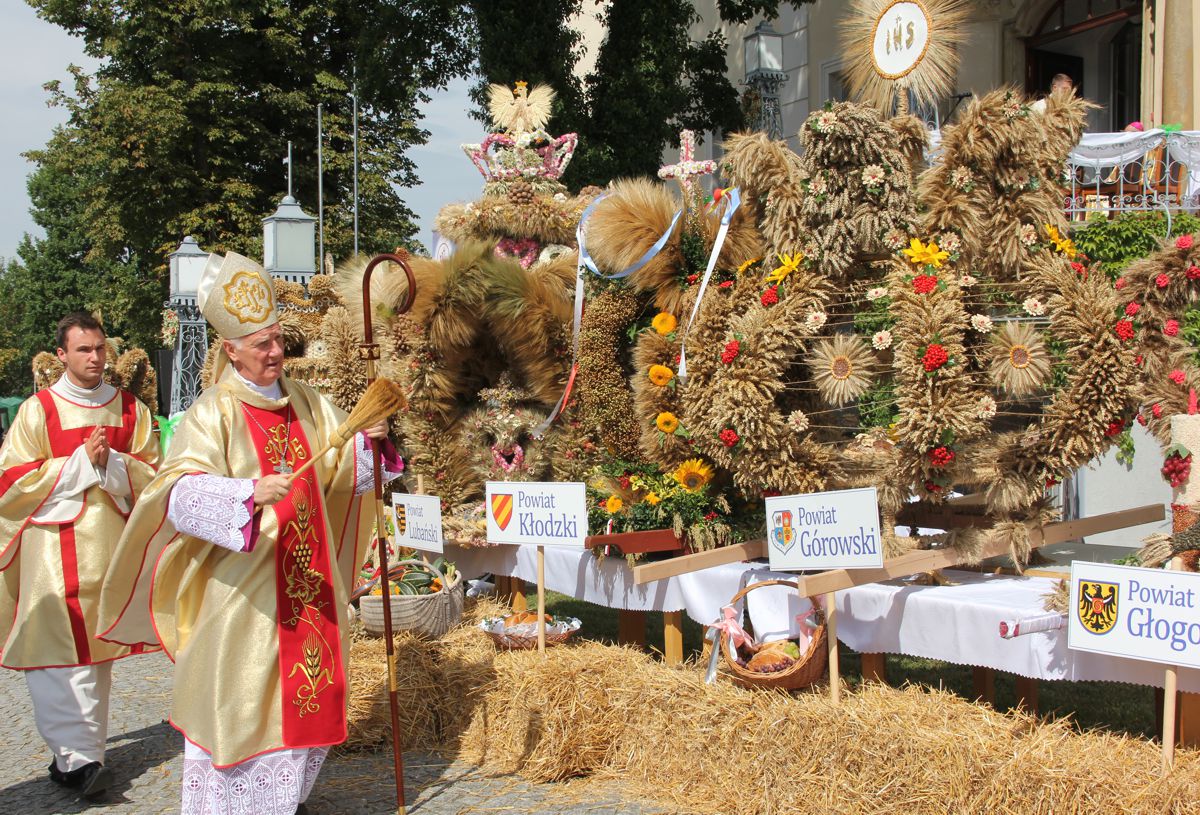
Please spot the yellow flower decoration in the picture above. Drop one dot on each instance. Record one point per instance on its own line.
(613, 505)
(661, 375)
(664, 322)
(1062, 244)
(693, 474)
(925, 254)
(742, 269)
(787, 265)
(666, 422)
(652, 498)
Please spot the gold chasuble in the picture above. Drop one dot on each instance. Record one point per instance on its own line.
(258, 637)
(51, 568)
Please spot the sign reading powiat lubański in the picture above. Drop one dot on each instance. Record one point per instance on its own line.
(1127, 611)
(550, 513)
(824, 530)
(418, 521)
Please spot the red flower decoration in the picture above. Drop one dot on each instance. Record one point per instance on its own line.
(732, 349)
(941, 456)
(924, 283)
(1184, 242)
(1193, 273)
(1119, 283)
(692, 278)
(1162, 280)
(1138, 360)
(1124, 329)
(931, 486)
(1157, 411)
(711, 516)
(1171, 328)
(1114, 428)
(935, 357)
(1177, 376)
(1050, 482)
(724, 284)
(771, 296)
(1131, 309)
(1141, 419)
(1078, 267)
(729, 437)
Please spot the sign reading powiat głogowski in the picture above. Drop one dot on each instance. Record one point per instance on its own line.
(549, 513)
(418, 521)
(824, 530)
(1126, 611)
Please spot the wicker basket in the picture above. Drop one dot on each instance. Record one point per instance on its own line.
(807, 670)
(429, 614)
(519, 642)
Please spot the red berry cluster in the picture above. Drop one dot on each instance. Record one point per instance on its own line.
(732, 349)
(725, 284)
(771, 296)
(924, 283)
(1078, 268)
(935, 357)
(1114, 428)
(1124, 329)
(1176, 468)
(1132, 309)
(729, 437)
(941, 456)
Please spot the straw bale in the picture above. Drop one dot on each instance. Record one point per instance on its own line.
(617, 715)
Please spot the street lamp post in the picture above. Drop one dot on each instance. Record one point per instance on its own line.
(191, 340)
(763, 51)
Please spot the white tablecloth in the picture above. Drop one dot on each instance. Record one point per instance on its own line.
(609, 581)
(961, 624)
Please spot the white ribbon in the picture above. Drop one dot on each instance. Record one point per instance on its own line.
(734, 200)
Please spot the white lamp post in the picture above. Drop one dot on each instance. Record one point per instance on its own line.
(191, 340)
(763, 52)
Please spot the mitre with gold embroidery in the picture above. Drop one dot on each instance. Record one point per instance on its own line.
(236, 296)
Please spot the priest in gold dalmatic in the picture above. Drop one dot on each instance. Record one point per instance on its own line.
(71, 466)
(241, 572)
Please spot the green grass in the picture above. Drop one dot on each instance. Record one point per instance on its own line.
(1112, 706)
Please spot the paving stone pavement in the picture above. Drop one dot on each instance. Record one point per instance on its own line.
(146, 755)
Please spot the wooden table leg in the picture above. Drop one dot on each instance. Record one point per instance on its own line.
(519, 601)
(631, 627)
(673, 637)
(874, 668)
(983, 682)
(1189, 719)
(1027, 694)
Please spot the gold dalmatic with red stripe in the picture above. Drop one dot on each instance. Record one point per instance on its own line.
(52, 571)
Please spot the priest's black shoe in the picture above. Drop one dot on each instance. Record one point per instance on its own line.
(94, 780)
(59, 777)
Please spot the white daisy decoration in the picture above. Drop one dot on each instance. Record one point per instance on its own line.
(882, 340)
(873, 175)
(1034, 307)
(981, 323)
(797, 421)
(876, 292)
(815, 319)
(966, 281)
(987, 407)
(1029, 235)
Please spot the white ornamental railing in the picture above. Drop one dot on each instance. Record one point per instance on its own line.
(1112, 173)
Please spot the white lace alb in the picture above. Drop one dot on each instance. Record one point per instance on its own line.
(364, 475)
(212, 508)
(271, 784)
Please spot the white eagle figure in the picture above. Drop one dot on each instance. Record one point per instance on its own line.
(518, 110)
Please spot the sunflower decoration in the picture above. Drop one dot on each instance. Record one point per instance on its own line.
(1062, 243)
(925, 254)
(660, 375)
(1020, 363)
(693, 474)
(664, 323)
(842, 367)
(787, 265)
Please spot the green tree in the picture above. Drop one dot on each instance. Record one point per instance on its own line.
(184, 127)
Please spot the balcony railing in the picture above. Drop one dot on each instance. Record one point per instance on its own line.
(1112, 173)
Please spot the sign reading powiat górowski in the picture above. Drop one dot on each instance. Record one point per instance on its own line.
(824, 530)
(418, 521)
(550, 513)
(1127, 611)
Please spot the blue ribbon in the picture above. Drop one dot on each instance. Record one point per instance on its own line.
(585, 259)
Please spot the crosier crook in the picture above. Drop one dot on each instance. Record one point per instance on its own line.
(370, 354)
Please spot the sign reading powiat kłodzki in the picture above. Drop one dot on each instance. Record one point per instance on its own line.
(824, 530)
(418, 521)
(1128, 611)
(549, 513)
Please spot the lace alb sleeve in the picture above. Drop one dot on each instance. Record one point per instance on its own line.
(213, 508)
(393, 465)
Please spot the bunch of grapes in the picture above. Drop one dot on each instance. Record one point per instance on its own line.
(1176, 468)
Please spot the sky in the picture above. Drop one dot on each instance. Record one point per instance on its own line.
(33, 52)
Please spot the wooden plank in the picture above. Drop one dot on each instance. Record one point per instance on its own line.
(684, 564)
(1189, 719)
(519, 600)
(983, 681)
(1027, 694)
(874, 668)
(631, 627)
(673, 637)
(923, 560)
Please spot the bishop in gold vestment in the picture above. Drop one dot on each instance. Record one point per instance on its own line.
(61, 514)
(240, 573)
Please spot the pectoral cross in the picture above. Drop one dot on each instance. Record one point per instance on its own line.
(283, 468)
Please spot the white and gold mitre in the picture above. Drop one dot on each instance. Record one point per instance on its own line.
(236, 296)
